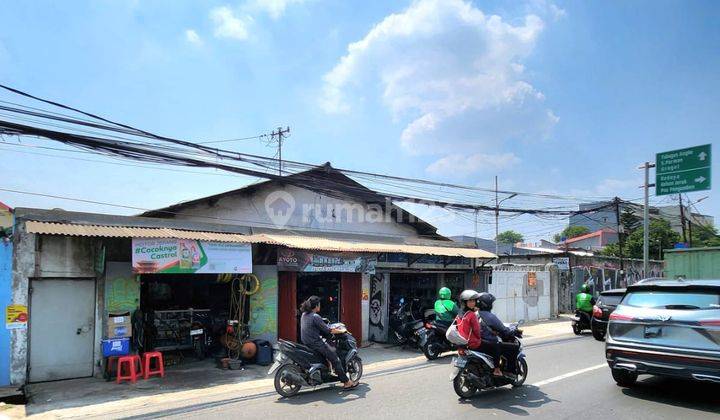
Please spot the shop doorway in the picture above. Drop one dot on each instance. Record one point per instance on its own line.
(62, 329)
(422, 287)
(326, 286)
(177, 307)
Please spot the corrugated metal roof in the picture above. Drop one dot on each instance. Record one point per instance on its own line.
(291, 241)
(49, 228)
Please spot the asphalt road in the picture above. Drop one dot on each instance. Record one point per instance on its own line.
(567, 379)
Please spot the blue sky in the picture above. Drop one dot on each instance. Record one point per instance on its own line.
(565, 98)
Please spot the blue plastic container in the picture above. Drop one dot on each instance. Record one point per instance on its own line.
(116, 347)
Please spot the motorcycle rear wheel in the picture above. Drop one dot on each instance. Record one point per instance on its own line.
(284, 387)
(431, 351)
(462, 387)
(576, 329)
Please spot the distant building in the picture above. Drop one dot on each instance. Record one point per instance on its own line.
(605, 217)
(594, 241)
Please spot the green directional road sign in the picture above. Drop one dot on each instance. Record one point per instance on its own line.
(684, 170)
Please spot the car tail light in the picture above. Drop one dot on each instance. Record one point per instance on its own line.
(710, 322)
(597, 312)
(619, 317)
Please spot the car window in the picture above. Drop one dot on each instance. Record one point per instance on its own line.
(610, 299)
(673, 300)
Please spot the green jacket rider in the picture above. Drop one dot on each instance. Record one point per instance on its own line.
(445, 308)
(584, 301)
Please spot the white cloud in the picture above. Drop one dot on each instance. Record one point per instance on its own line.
(274, 8)
(452, 74)
(228, 25)
(458, 164)
(192, 37)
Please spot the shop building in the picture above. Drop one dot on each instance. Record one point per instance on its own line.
(152, 280)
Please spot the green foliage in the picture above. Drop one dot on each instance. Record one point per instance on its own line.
(661, 237)
(630, 221)
(704, 236)
(571, 232)
(509, 237)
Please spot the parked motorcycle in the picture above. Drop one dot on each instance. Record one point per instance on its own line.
(297, 365)
(406, 321)
(580, 322)
(433, 341)
(472, 370)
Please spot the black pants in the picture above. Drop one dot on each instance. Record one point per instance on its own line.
(496, 350)
(330, 354)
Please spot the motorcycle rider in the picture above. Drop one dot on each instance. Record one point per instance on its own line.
(492, 329)
(584, 302)
(312, 329)
(468, 323)
(445, 309)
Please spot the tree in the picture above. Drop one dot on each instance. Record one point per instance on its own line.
(509, 237)
(704, 236)
(571, 232)
(629, 221)
(661, 237)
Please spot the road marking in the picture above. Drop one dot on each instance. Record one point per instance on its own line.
(569, 375)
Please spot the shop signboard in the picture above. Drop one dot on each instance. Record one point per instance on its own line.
(563, 263)
(344, 262)
(190, 256)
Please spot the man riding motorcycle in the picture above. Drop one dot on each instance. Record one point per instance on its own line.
(445, 309)
(493, 330)
(312, 329)
(584, 302)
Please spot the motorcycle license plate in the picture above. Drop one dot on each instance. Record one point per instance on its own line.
(459, 362)
(273, 368)
(423, 337)
(196, 332)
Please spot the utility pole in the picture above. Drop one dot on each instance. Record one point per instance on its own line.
(497, 216)
(682, 218)
(621, 239)
(277, 136)
(646, 217)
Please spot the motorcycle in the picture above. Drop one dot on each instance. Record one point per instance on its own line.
(473, 370)
(405, 323)
(433, 341)
(297, 365)
(581, 321)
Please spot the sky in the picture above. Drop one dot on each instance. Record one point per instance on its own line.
(561, 98)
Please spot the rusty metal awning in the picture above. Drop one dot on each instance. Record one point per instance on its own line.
(290, 241)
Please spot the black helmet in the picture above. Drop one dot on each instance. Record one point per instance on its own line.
(485, 301)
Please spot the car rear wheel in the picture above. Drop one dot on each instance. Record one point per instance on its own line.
(624, 377)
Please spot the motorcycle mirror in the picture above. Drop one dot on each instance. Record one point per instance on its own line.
(520, 322)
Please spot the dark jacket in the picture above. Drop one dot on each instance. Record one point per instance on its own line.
(312, 329)
(492, 327)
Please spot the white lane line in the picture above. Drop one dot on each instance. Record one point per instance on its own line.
(569, 375)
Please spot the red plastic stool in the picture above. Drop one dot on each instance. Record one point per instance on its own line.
(158, 357)
(134, 367)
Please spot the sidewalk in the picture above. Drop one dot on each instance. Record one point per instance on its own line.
(197, 381)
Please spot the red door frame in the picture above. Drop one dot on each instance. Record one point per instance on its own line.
(287, 302)
(350, 303)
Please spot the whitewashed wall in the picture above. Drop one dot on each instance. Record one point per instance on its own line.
(309, 211)
(515, 300)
